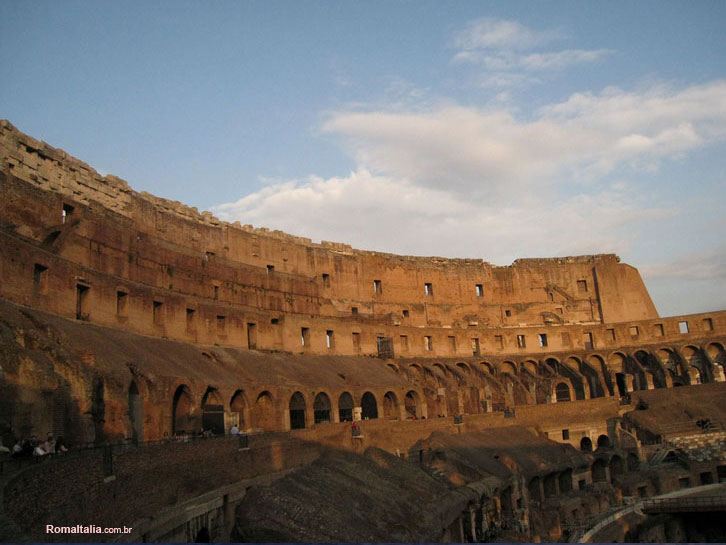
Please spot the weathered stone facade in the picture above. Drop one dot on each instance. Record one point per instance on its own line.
(124, 316)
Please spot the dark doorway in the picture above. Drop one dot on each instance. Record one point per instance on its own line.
(345, 407)
(297, 411)
(369, 407)
(136, 413)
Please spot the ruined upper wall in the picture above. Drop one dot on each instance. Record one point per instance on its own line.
(167, 246)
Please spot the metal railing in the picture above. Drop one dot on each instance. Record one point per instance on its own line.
(685, 504)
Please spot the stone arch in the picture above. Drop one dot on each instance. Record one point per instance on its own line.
(238, 405)
(441, 367)
(562, 392)
(565, 481)
(695, 357)
(603, 441)
(434, 405)
(264, 415)
(393, 368)
(369, 406)
(213, 411)
(550, 485)
(183, 418)
(616, 467)
(599, 471)
(716, 352)
(529, 367)
(597, 362)
(345, 407)
(98, 409)
(673, 365)
(488, 367)
(412, 402)
(586, 444)
(508, 366)
(633, 462)
(298, 408)
(136, 413)
(391, 410)
(464, 367)
(534, 489)
(653, 367)
(550, 367)
(592, 377)
(570, 370)
(417, 370)
(321, 408)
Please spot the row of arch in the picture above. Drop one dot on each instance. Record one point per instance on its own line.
(300, 413)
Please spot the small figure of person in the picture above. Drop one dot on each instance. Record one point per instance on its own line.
(234, 430)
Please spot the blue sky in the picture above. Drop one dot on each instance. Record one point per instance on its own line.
(464, 129)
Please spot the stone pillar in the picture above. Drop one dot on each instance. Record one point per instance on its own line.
(472, 520)
(649, 381)
(718, 375)
(334, 413)
(286, 419)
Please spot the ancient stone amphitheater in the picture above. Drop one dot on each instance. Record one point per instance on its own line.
(519, 403)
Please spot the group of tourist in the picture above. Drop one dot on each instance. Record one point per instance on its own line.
(34, 447)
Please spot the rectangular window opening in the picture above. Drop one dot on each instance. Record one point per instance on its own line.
(499, 341)
(216, 293)
(221, 325)
(582, 286)
(707, 324)
(405, 313)
(634, 331)
(521, 341)
(329, 339)
(565, 339)
(275, 321)
(304, 336)
(542, 339)
(480, 290)
(565, 434)
(326, 280)
(452, 344)
(40, 278)
(475, 349)
(270, 268)
(683, 327)
(121, 303)
(354, 310)
(611, 335)
(428, 289)
(252, 335)
(587, 341)
(427, 343)
(658, 330)
(377, 287)
(190, 319)
(507, 313)
(66, 212)
(158, 312)
(82, 302)
(356, 341)
(404, 343)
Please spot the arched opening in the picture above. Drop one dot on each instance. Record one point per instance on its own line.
(136, 413)
(203, 536)
(534, 489)
(98, 409)
(412, 405)
(633, 462)
(694, 375)
(369, 407)
(562, 392)
(603, 441)
(565, 481)
(321, 408)
(616, 467)
(653, 367)
(622, 385)
(237, 407)
(508, 367)
(434, 406)
(297, 411)
(585, 444)
(464, 368)
(263, 413)
(390, 406)
(393, 368)
(345, 407)
(599, 473)
(213, 412)
(183, 420)
(488, 367)
(550, 485)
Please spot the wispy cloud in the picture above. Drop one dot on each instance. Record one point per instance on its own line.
(509, 51)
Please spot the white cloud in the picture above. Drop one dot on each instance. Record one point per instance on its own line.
(491, 153)
(491, 33)
(506, 49)
(692, 266)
